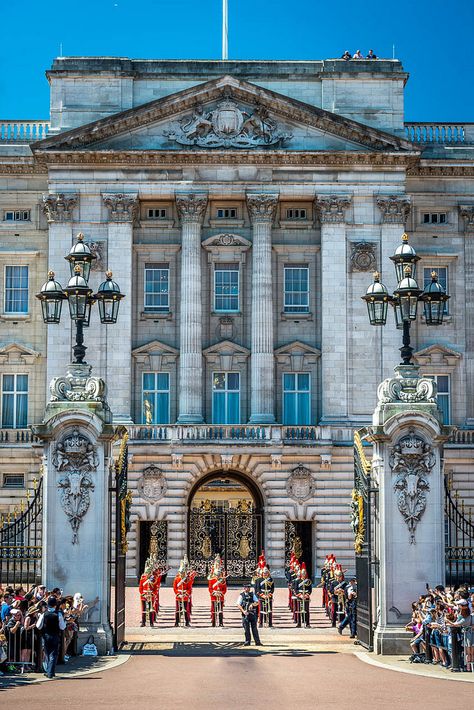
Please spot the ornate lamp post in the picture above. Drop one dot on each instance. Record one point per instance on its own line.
(405, 298)
(80, 296)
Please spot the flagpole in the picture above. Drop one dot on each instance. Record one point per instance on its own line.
(225, 52)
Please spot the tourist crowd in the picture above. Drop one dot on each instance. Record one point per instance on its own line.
(443, 628)
(23, 632)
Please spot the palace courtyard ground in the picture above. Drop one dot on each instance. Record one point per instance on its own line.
(199, 668)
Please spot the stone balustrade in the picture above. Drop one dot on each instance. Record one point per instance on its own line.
(23, 131)
(441, 133)
(17, 436)
(239, 434)
(462, 436)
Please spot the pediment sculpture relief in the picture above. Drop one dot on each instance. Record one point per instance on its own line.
(300, 484)
(227, 126)
(152, 484)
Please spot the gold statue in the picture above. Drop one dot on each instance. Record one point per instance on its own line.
(148, 411)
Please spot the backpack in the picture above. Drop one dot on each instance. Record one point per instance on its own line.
(89, 648)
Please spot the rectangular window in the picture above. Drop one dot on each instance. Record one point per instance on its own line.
(16, 289)
(16, 216)
(296, 213)
(227, 213)
(157, 294)
(442, 272)
(226, 398)
(444, 395)
(13, 480)
(296, 398)
(157, 213)
(14, 401)
(435, 218)
(156, 398)
(226, 287)
(296, 280)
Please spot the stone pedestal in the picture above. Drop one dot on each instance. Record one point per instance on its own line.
(77, 434)
(408, 436)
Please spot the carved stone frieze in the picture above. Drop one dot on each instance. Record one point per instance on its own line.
(407, 387)
(76, 458)
(225, 329)
(177, 461)
(227, 126)
(262, 207)
(98, 249)
(191, 207)
(226, 461)
(467, 213)
(363, 256)
(276, 461)
(229, 240)
(331, 208)
(411, 461)
(122, 207)
(59, 207)
(300, 484)
(152, 484)
(395, 208)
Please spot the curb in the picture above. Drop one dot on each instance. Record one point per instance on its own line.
(366, 658)
(114, 663)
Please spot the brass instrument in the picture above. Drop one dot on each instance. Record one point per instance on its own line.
(266, 600)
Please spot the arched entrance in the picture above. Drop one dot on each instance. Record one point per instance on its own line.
(225, 517)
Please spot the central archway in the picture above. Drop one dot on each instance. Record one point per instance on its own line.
(225, 517)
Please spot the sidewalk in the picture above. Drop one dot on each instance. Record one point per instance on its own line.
(401, 664)
(77, 667)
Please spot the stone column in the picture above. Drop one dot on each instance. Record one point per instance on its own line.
(395, 210)
(191, 208)
(58, 209)
(262, 209)
(123, 210)
(467, 212)
(408, 437)
(334, 385)
(77, 436)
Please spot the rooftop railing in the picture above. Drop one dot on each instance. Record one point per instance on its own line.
(23, 131)
(440, 133)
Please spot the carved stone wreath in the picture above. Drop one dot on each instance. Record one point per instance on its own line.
(76, 458)
(363, 256)
(411, 461)
(152, 484)
(300, 484)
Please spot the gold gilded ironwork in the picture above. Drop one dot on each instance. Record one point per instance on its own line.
(297, 547)
(358, 526)
(206, 547)
(244, 547)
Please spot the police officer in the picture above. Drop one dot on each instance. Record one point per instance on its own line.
(51, 623)
(248, 604)
(351, 609)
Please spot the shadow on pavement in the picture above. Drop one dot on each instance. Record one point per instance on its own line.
(213, 649)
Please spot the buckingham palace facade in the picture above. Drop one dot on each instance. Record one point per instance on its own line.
(242, 208)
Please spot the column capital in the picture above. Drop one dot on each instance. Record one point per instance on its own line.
(262, 207)
(122, 207)
(58, 207)
(467, 213)
(331, 208)
(394, 208)
(191, 206)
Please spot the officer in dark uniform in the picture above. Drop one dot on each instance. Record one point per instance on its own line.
(303, 587)
(248, 604)
(51, 623)
(351, 609)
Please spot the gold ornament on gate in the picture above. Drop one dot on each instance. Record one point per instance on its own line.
(206, 548)
(244, 547)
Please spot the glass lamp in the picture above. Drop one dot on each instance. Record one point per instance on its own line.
(377, 300)
(79, 296)
(80, 255)
(51, 296)
(434, 297)
(406, 298)
(404, 256)
(108, 297)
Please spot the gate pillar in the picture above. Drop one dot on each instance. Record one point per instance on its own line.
(408, 436)
(77, 433)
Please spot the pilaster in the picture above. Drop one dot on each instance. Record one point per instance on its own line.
(331, 210)
(122, 212)
(262, 209)
(467, 214)
(191, 209)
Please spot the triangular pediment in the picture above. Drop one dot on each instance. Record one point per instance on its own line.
(226, 355)
(17, 354)
(155, 355)
(437, 355)
(225, 113)
(297, 355)
(225, 347)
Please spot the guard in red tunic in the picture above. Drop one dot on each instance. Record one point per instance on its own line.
(183, 589)
(217, 588)
(149, 589)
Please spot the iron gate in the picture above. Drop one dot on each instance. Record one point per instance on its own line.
(235, 535)
(121, 499)
(21, 541)
(361, 526)
(459, 545)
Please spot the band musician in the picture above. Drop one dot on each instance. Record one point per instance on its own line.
(183, 589)
(264, 590)
(149, 590)
(217, 589)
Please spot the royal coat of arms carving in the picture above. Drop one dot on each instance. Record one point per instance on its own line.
(300, 484)
(152, 484)
(227, 126)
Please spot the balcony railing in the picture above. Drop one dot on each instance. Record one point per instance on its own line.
(462, 436)
(239, 434)
(17, 436)
(440, 133)
(23, 131)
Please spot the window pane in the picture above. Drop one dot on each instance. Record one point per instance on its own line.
(303, 381)
(443, 384)
(162, 408)
(149, 408)
(16, 289)
(156, 288)
(233, 381)
(22, 383)
(21, 410)
(289, 381)
(289, 408)
(148, 380)
(162, 381)
(218, 407)
(226, 287)
(218, 382)
(233, 414)
(303, 414)
(7, 410)
(443, 404)
(296, 297)
(8, 383)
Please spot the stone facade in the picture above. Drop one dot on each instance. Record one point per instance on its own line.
(257, 168)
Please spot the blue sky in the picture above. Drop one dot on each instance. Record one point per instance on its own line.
(434, 40)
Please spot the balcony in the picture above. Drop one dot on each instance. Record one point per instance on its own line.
(23, 131)
(15, 437)
(244, 434)
(440, 133)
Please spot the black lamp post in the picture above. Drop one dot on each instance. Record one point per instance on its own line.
(405, 297)
(80, 296)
